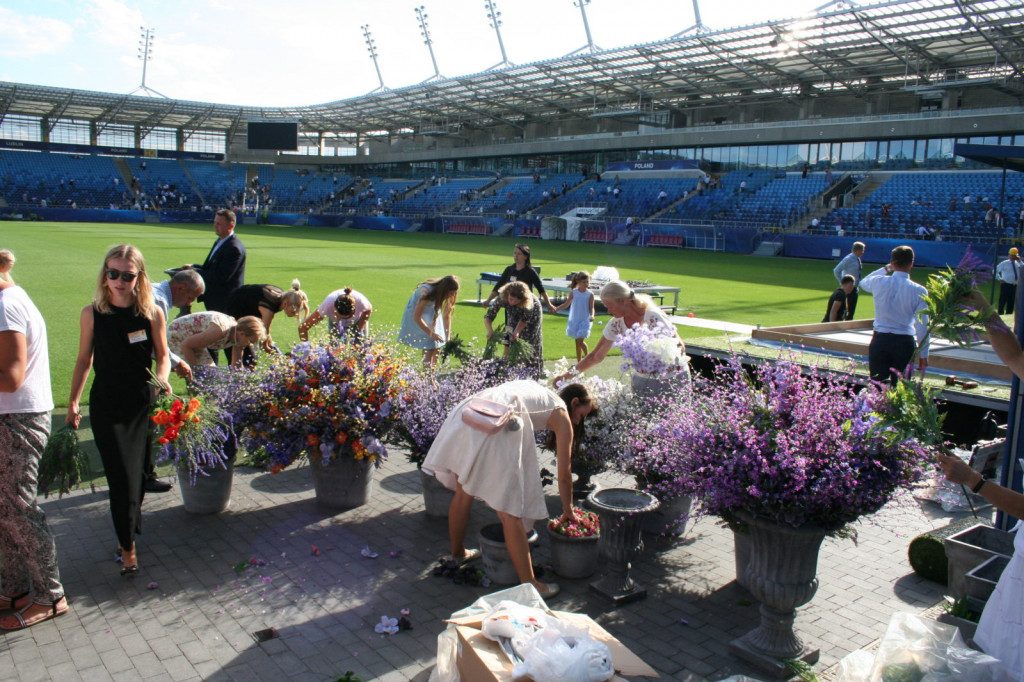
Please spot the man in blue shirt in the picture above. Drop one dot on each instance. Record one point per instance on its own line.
(850, 265)
(899, 302)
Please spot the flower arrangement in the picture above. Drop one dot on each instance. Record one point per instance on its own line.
(324, 401)
(197, 432)
(587, 524)
(63, 462)
(950, 315)
(792, 446)
(602, 439)
(650, 349)
(426, 399)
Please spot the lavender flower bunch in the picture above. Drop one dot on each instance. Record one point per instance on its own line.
(604, 437)
(649, 349)
(795, 447)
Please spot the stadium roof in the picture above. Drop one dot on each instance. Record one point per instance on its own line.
(919, 46)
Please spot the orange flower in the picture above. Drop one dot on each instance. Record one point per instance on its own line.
(312, 440)
(162, 417)
(341, 437)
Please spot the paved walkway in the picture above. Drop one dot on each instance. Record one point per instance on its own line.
(276, 561)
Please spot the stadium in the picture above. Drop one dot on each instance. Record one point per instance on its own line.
(778, 143)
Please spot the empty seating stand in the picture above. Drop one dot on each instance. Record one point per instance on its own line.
(601, 236)
(468, 228)
(530, 231)
(673, 240)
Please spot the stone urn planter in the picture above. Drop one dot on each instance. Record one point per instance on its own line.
(621, 511)
(781, 574)
(343, 482)
(575, 556)
(436, 498)
(670, 519)
(211, 491)
(741, 552)
(496, 562)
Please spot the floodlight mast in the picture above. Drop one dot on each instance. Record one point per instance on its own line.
(371, 47)
(421, 17)
(698, 27)
(146, 38)
(590, 46)
(495, 22)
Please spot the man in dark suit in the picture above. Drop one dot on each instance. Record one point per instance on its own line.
(223, 271)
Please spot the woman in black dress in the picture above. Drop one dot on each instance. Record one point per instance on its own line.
(521, 271)
(266, 300)
(122, 330)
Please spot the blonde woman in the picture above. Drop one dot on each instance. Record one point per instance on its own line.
(6, 263)
(266, 300)
(122, 330)
(191, 336)
(522, 319)
(427, 321)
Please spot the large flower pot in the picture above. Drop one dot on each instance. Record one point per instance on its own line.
(343, 482)
(496, 562)
(659, 385)
(436, 498)
(574, 557)
(782, 575)
(621, 511)
(670, 518)
(741, 555)
(211, 491)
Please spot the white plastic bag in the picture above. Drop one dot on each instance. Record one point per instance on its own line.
(921, 650)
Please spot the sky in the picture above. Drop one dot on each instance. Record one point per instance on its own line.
(301, 52)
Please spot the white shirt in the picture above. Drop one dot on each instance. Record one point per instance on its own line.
(898, 303)
(362, 305)
(162, 297)
(1009, 271)
(19, 314)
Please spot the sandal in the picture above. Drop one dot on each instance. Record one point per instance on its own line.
(17, 620)
(129, 563)
(10, 603)
(470, 555)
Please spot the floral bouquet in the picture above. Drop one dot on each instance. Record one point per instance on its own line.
(587, 525)
(426, 399)
(650, 349)
(196, 430)
(324, 401)
(63, 462)
(602, 439)
(794, 447)
(950, 315)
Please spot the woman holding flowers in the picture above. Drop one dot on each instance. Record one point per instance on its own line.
(28, 556)
(501, 468)
(122, 330)
(630, 310)
(191, 335)
(522, 320)
(427, 322)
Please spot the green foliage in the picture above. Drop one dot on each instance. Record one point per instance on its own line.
(927, 555)
(519, 351)
(64, 462)
(349, 676)
(801, 670)
(914, 413)
(960, 608)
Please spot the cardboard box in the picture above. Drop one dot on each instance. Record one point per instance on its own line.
(481, 660)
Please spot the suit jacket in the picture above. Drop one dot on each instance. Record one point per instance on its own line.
(223, 273)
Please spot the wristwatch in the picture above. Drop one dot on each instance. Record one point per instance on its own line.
(977, 488)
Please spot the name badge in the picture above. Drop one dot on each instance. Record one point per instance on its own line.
(137, 337)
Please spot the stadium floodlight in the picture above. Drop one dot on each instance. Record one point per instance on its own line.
(421, 17)
(495, 22)
(146, 38)
(590, 46)
(371, 47)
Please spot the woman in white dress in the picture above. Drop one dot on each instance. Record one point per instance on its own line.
(502, 468)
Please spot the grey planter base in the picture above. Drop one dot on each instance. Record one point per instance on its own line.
(741, 648)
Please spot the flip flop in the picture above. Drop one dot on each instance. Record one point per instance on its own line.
(18, 617)
(470, 555)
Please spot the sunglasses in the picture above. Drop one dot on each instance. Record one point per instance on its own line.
(124, 275)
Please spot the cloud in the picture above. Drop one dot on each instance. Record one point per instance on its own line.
(28, 35)
(114, 23)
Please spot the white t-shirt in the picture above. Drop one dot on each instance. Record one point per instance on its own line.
(362, 305)
(19, 314)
